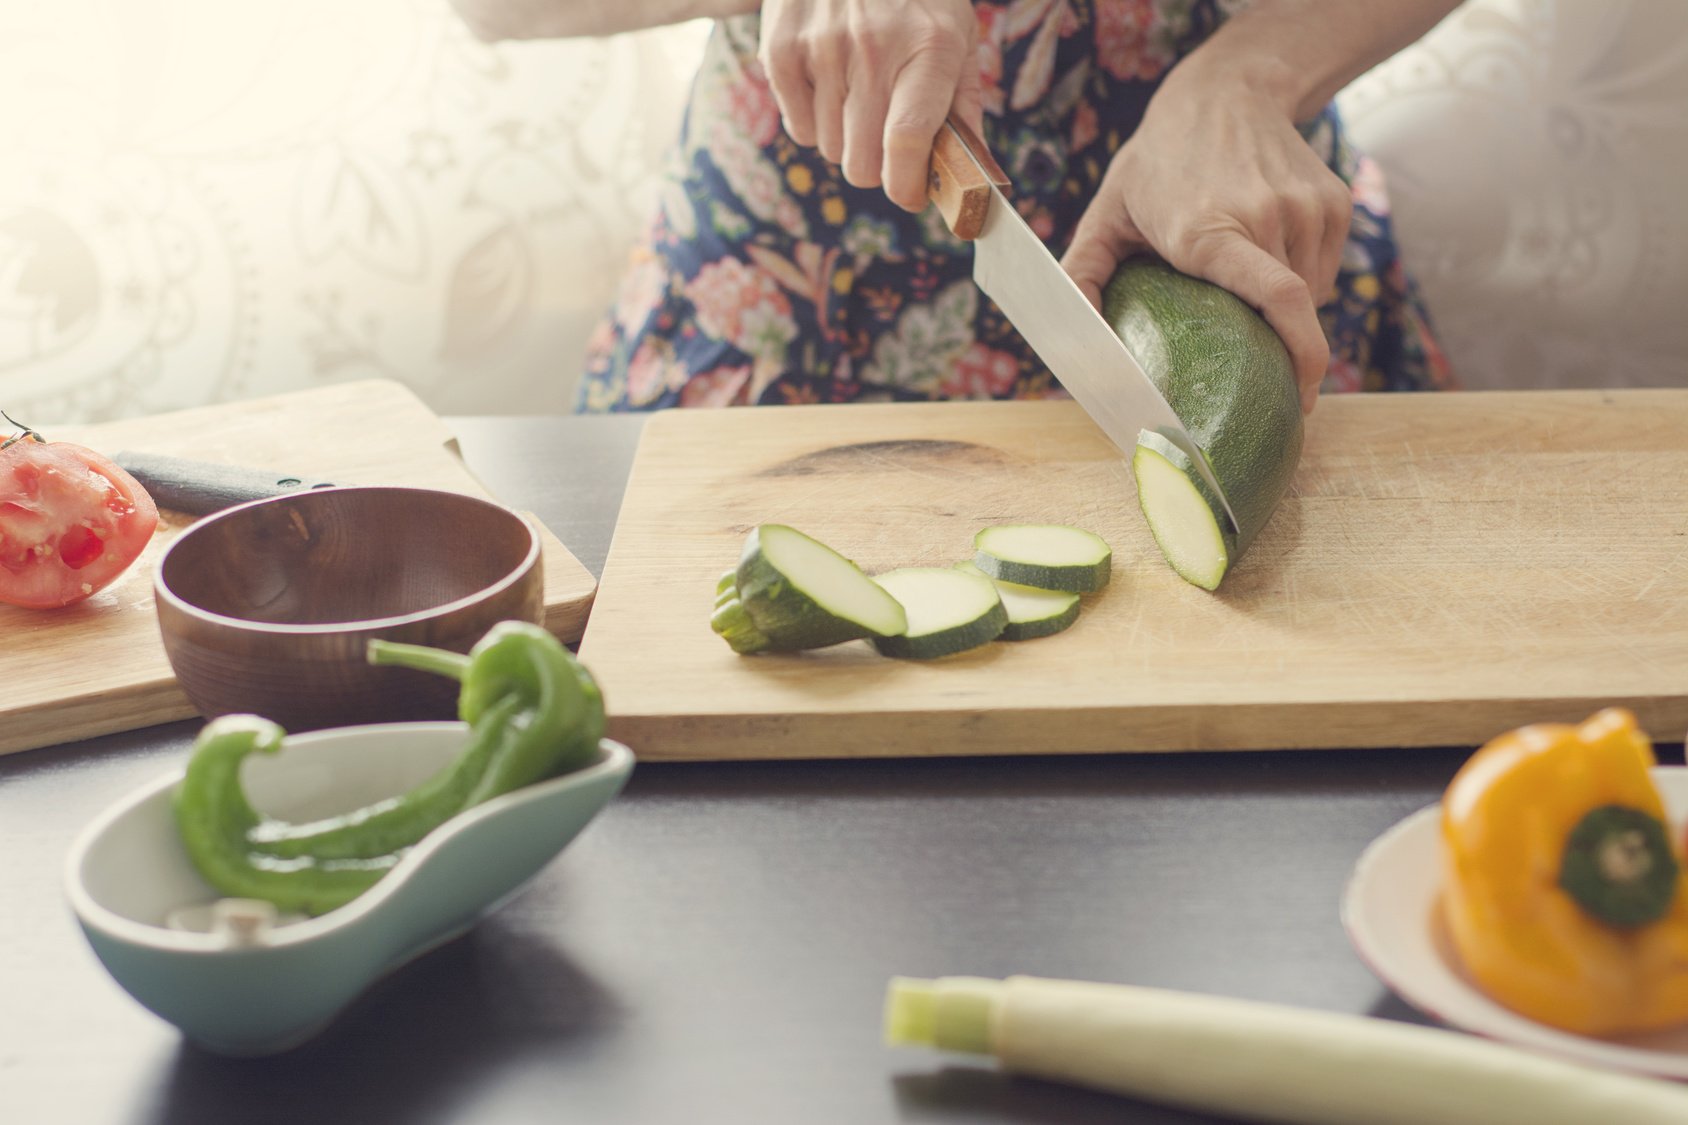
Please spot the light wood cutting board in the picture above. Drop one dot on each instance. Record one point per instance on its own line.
(1446, 567)
(99, 667)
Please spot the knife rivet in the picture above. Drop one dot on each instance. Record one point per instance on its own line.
(288, 482)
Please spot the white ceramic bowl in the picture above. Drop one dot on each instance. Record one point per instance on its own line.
(128, 875)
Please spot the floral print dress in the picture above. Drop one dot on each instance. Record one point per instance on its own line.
(768, 279)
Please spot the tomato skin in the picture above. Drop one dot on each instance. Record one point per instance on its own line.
(71, 522)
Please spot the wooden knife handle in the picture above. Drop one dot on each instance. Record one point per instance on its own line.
(963, 171)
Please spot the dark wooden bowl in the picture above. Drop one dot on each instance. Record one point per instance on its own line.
(267, 608)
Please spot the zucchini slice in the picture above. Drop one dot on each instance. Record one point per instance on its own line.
(949, 611)
(1047, 556)
(1183, 515)
(1032, 612)
(792, 592)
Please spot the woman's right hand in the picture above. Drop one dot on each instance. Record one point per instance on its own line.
(869, 82)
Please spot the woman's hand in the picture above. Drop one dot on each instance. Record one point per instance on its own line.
(1217, 181)
(869, 82)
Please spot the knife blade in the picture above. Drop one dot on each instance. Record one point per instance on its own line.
(1016, 270)
(199, 488)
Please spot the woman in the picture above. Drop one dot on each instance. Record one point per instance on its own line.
(793, 259)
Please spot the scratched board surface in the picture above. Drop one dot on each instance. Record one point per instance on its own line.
(1446, 567)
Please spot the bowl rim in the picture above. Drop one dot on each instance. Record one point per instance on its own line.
(615, 758)
(164, 595)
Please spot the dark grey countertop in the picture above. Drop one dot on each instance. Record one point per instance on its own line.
(716, 946)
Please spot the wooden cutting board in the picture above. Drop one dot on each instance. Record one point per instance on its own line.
(99, 667)
(1446, 567)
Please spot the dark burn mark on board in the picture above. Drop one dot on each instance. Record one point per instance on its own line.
(909, 453)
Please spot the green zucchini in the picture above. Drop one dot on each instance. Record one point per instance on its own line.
(1047, 556)
(1032, 612)
(793, 592)
(1228, 377)
(949, 611)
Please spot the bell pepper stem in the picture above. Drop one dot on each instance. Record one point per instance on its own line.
(420, 657)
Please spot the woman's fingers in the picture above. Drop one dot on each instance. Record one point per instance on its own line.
(1235, 263)
(788, 75)
(1105, 235)
(794, 96)
(864, 133)
(1302, 244)
(924, 91)
(1338, 206)
(969, 104)
(1317, 213)
(1315, 219)
(829, 117)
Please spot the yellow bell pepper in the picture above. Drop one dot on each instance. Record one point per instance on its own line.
(1564, 889)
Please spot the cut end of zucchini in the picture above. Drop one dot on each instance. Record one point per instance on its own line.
(737, 629)
(1189, 532)
(949, 611)
(1044, 556)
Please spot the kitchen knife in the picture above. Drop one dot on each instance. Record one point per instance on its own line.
(201, 487)
(1014, 268)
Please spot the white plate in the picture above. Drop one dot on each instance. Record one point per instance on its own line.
(1390, 912)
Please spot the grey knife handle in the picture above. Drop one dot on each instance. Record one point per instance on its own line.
(201, 487)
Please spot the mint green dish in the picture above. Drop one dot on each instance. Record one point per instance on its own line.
(270, 984)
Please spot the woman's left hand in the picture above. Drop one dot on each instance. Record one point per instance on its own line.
(1217, 181)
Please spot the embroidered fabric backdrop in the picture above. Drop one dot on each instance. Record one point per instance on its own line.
(1535, 151)
(202, 201)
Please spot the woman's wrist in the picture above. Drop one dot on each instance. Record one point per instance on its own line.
(1296, 54)
(1234, 66)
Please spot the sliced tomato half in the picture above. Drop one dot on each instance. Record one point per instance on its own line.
(71, 522)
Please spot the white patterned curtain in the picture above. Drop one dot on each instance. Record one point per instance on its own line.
(1536, 153)
(204, 200)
